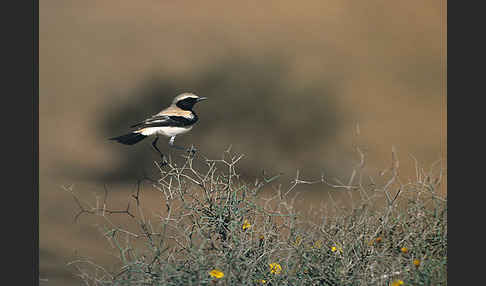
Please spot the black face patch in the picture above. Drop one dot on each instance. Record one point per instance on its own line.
(186, 103)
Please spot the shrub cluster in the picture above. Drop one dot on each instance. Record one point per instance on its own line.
(217, 229)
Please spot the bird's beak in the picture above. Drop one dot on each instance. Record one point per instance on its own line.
(201, 99)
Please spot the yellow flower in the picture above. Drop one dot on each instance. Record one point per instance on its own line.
(245, 225)
(397, 283)
(317, 244)
(416, 262)
(275, 268)
(298, 240)
(216, 273)
(376, 240)
(263, 281)
(334, 249)
(404, 250)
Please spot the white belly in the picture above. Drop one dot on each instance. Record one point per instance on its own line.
(166, 131)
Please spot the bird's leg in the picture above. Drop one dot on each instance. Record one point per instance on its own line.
(190, 150)
(154, 144)
(171, 143)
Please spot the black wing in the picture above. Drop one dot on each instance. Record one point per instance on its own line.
(165, 120)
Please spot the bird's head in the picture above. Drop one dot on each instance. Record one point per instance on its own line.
(186, 101)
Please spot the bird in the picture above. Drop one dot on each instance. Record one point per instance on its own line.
(174, 120)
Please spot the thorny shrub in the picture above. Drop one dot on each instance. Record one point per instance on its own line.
(216, 229)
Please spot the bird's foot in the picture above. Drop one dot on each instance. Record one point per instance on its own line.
(164, 161)
(192, 150)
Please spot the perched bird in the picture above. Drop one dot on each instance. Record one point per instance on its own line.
(176, 119)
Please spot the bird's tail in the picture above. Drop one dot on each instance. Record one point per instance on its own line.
(130, 138)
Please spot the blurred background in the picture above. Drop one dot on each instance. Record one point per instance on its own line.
(287, 83)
